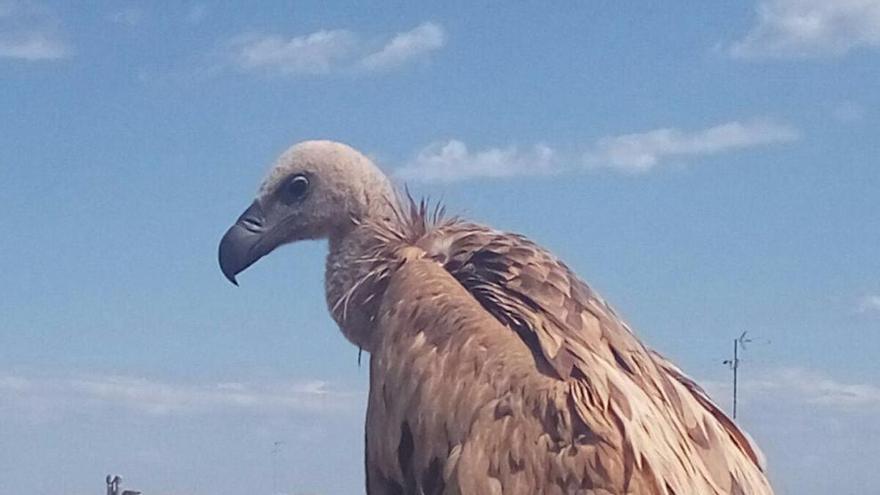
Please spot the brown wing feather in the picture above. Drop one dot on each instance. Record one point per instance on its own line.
(457, 406)
(620, 418)
(570, 326)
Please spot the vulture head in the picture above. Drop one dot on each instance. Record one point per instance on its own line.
(316, 190)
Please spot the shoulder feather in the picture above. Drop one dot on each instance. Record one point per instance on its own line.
(672, 430)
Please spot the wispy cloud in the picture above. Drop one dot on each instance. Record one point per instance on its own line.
(407, 46)
(637, 153)
(870, 304)
(315, 53)
(32, 46)
(31, 32)
(452, 161)
(328, 51)
(641, 152)
(134, 15)
(129, 16)
(810, 28)
(803, 386)
(52, 396)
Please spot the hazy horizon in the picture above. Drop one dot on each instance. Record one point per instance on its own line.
(710, 168)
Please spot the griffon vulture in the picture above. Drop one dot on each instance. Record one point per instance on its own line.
(493, 368)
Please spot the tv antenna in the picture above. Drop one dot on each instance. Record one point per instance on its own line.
(738, 343)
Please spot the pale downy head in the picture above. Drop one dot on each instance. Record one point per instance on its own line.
(316, 190)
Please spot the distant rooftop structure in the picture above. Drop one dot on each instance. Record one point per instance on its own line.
(113, 486)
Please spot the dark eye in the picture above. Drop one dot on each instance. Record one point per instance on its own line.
(296, 188)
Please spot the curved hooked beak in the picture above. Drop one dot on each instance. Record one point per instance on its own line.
(244, 242)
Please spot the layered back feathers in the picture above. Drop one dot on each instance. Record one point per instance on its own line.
(662, 428)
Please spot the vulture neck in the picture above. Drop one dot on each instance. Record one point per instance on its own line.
(347, 280)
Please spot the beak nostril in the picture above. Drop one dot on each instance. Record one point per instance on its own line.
(252, 224)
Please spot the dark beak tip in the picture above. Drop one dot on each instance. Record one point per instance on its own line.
(229, 265)
(231, 279)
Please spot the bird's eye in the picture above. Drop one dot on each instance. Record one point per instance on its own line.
(296, 188)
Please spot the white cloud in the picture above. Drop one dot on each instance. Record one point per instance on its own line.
(406, 46)
(801, 386)
(328, 51)
(641, 152)
(30, 32)
(32, 46)
(816, 388)
(315, 53)
(53, 396)
(810, 28)
(452, 161)
(870, 304)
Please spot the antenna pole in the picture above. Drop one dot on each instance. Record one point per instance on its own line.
(735, 368)
(734, 363)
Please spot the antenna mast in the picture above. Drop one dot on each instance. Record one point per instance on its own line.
(739, 342)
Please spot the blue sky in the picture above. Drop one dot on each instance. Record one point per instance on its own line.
(710, 167)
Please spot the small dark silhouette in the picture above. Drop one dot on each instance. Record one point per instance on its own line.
(113, 483)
